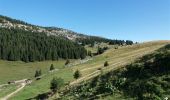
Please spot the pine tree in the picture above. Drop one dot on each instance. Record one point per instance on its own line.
(56, 84)
(52, 67)
(89, 53)
(36, 73)
(11, 56)
(67, 62)
(40, 73)
(106, 64)
(77, 74)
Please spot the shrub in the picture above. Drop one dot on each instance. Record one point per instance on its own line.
(56, 84)
(77, 74)
(67, 62)
(106, 64)
(37, 73)
(52, 67)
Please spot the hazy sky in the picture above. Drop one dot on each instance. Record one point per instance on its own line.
(138, 20)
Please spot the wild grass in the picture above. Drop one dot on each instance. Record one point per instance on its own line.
(19, 70)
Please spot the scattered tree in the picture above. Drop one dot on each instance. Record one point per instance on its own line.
(52, 67)
(77, 74)
(128, 42)
(56, 84)
(89, 53)
(106, 64)
(67, 62)
(101, 50)
(37, 73)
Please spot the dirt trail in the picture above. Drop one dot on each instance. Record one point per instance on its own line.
(116, 64)
(138, 52)
(11, 94)
(22, 84)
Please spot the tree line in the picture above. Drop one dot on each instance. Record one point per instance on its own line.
(91, 40)
(29, 46)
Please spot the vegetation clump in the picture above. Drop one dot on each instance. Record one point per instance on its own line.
(56, 84)
(67, 62)
(106, 64)
(52, 67)
(77, 74)
(93, 39)
(37, 73)
(101, 50)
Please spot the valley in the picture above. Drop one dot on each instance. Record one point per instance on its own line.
(52, 63)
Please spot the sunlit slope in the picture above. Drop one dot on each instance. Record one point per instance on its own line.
(147, 78)
(118, 58)
(115, 57)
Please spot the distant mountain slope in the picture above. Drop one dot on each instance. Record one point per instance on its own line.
(7, 22)
(26, 42)
(146, 79)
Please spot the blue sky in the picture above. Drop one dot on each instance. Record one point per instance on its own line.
(138, 20)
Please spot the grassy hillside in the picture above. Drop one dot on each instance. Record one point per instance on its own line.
(17, 70)
(148, 78)
(116, 58)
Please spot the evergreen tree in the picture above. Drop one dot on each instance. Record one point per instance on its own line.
(16, 44)
(89, 53)
(56, 84)
(37, 73)
(40, 73)
(77, 74)
(11, 56)
(52, 67)
(106, 64)
(67, 62)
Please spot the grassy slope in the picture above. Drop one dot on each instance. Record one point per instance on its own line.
(123, 54)
(7, 89)
(43, 85)
(151, 84)
(95, 47)
(10, 70)
(158, 79)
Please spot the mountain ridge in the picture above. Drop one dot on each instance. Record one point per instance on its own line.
(7, 22)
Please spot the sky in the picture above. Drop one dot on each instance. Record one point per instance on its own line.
(137, 20)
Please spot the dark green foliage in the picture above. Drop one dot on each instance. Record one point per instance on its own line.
(56, 84)
(146, 79)
(101, 50)
(90, 54)
(116, 47)
(29, 46)
(52, 67)
(38, 73)
(67, 62)
(129, 42)
(77, 74)
(106, 64)
(93, 39)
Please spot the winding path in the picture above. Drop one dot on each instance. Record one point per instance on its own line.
(11, 94)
